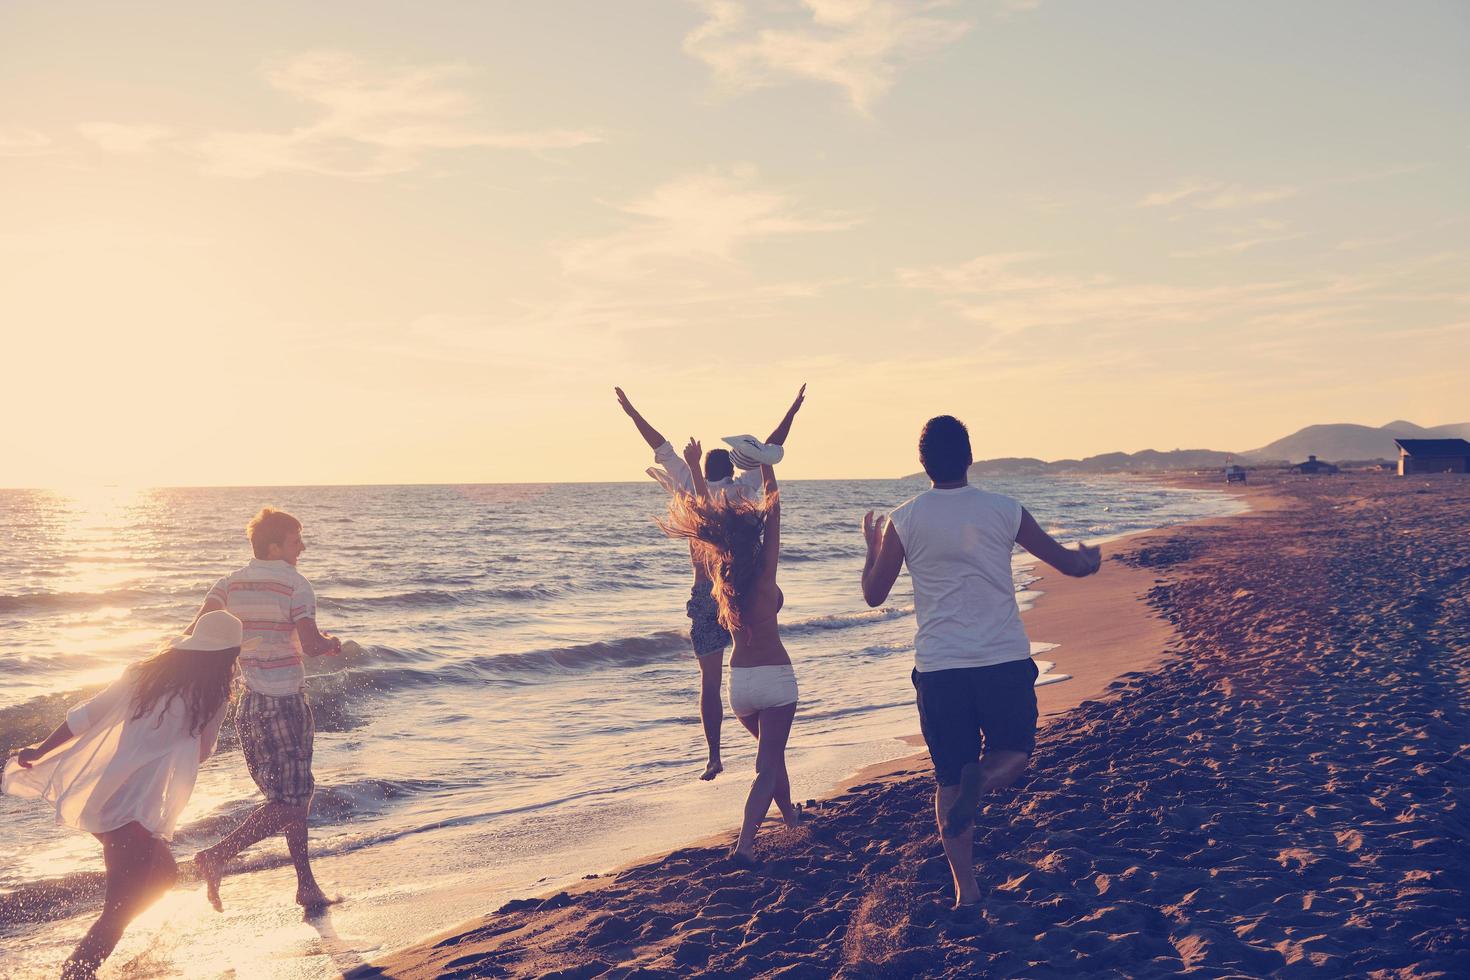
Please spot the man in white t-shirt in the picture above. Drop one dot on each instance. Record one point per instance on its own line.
(707, 636)
(973, 672)
(273, 718)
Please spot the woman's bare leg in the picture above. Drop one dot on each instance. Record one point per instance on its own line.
(782, 794)
(774, 726)
(137, 874)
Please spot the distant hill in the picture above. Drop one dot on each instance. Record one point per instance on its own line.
(1344, 441)
(1337, 442)
(1145, 461)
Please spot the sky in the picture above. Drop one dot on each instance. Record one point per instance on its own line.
(373, 242)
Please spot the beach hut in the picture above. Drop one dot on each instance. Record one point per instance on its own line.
(1234, 474)
(1314, 465)
(1433, 456)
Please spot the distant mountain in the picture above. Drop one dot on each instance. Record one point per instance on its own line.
(1338, 442)
(1146, 461)
(1344, 441)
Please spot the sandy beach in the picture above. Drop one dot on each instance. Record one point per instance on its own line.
(1258, 766)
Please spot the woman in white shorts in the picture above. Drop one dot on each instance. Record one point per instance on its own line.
(740, 543)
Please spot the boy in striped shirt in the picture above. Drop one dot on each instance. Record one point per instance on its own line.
(273, 719)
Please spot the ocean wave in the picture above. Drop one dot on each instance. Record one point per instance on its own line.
(623, 651)
(839, 621)
(440, 597)
(789, 554)
(566, 587)
(31, 602)
(635, 650)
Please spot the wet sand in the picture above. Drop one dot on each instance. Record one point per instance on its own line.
(1266, 772)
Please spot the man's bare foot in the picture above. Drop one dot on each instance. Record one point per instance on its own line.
(793, 817)
(314, 900)
(962, 813)
(211, 873)
(712, 770)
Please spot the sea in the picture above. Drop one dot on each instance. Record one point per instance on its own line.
(523, 712)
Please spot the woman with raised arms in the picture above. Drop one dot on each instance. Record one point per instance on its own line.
(739, 544)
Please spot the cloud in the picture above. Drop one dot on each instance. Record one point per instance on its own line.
(122, 138)
(1215, 195)
(701, 218)
(1244, 238)
(1003, 293)
(370, 123)
(858, 46)
(19, 142)
(1359, 243)
(993, 274)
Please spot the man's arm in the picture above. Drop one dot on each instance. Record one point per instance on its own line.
(210, 605)
(315, 643)
(649, 433)
(885, 558)
(1078, 564)
(779, 434)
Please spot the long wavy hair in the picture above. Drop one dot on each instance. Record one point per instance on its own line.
(727, 539)
(201, 679)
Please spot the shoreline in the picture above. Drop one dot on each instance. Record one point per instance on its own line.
(1135, 640)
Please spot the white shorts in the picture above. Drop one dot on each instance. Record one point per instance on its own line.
(754, 689)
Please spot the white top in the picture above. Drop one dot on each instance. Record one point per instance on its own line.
(677, 478)
(957, 544)
(119, 769)
(269, 598)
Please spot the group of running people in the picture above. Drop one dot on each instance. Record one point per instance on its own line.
(123, 764)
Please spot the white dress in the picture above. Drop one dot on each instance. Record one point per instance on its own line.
(119, 769)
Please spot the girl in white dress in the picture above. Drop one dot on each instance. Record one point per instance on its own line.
(122, 766)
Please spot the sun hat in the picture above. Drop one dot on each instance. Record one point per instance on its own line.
(215, 631)
(748, 452)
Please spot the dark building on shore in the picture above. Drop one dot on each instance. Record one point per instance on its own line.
(1314, 465)
(1433, 456)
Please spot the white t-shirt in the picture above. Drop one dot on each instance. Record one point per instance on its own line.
(957, 544)
(676, 478)
(269, 598)
(120, 769)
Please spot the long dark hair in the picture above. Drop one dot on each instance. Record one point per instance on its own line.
(201, 678)
(728, 539)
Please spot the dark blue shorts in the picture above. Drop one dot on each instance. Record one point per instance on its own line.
(972, 710)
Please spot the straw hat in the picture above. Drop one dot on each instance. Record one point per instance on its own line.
(215, 631)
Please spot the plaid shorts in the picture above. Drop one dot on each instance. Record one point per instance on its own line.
(276, 735)
(705, 631)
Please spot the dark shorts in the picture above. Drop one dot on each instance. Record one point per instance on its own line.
(971, 710)
(705, 631)
(276, 735)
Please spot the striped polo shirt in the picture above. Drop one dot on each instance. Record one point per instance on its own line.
(269, 598)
